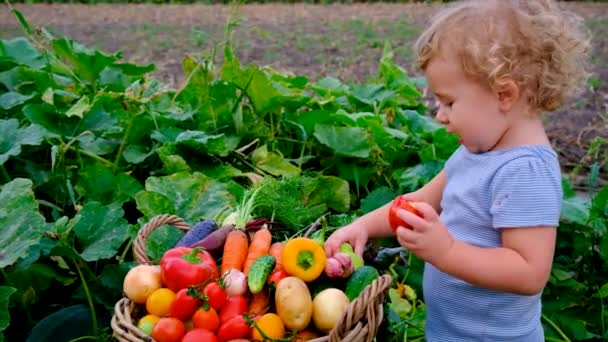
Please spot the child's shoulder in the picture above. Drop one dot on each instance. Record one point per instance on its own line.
(531, 161)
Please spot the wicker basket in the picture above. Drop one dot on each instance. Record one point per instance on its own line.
(359, 323)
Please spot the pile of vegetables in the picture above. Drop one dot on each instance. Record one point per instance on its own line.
(238, 281)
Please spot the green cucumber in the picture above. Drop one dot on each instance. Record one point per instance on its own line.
(259, 272)
(359, 280)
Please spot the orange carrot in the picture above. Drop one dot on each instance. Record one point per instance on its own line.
(275, 250)
(260, 302)
(259, 246)
(235, 250)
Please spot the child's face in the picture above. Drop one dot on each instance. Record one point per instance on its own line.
(466, 107)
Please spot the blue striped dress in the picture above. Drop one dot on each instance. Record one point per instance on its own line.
(518, 187)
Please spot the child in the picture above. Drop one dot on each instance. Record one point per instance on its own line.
(488, 225)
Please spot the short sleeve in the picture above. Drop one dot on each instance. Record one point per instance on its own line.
(526, 192)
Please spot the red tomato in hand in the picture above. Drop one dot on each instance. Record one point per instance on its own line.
(234, 328)
(169, 329)
(199, 335)
(216, 295)
(184, 305)
(394, 220)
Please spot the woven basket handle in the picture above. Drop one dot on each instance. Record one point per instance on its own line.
(364, 304)
(139, 246)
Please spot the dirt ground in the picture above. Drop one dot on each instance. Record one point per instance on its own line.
(343, 41)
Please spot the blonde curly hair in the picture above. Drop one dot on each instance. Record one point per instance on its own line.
(534, 43)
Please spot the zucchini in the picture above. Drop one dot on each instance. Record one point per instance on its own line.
(259, 272)
(359, 280)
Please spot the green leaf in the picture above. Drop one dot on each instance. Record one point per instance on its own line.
(21, 51)
(5, 295)
(22, 225)
(332, 191)
(101, 229)
(13, 137)
(273, 163)
(172, 161)
(194, 196)
(136, 154)
(603, 292)
(414, 177)
(377, 198)
(66, 324)
(560, 274)
(330, 85)
(152, 204)
(79, 108)
(86, 63)
(347, 141)
(161, 240)
(217, 144)
(252, 81)
(575, 209)
(98, 182)
(12, 99)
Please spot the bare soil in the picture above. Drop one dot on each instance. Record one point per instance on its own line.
(343, 41)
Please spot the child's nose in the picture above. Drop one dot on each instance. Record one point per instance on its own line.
(441, 116)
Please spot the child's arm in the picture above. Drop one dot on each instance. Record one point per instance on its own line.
(375, 223)
(521, 266)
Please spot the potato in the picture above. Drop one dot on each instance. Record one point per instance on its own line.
(294, 303)
(328, 307)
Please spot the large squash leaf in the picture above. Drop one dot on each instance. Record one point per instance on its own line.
(22, 225)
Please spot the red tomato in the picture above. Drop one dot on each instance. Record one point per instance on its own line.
(199, 335)
(206, 319)
(169, 329)
(184, 305)
(393, 219)
(234, 306)
(216, 295)
(276, 276)
(232, 329)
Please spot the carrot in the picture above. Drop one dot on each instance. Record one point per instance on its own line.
(260, 302)
(259, 246)
(275, 250)
(235, 250)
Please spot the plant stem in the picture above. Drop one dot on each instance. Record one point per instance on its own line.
(82, 338)
(88, 295)
(556, 328)
(4, 173)
(92, 155)
(122, 145)
(124, 253)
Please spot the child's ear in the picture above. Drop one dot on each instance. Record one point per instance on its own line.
(508, 93)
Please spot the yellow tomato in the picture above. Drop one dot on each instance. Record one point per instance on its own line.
(271, 325)
(146, 323)
(159, 301)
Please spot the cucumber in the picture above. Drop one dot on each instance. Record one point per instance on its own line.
(259, 272)
(359, 280)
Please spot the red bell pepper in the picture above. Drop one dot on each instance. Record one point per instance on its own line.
(181, 267)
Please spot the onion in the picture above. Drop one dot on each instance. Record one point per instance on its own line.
(141, 281)
(328, 307)
(235, 282)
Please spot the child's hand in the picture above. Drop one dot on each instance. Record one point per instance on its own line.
(356, 236)
(429, 238)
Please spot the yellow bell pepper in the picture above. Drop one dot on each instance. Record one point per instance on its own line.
(303, 258)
